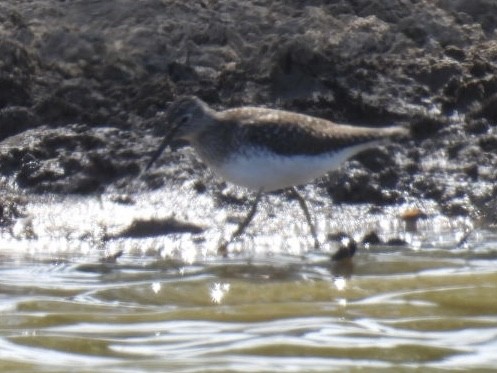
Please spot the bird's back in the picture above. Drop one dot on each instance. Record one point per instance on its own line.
(287, 133)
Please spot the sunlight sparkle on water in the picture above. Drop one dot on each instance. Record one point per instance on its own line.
(218, 291)
(342, 302)
(188, 251)
(156, 286)
(340, 283)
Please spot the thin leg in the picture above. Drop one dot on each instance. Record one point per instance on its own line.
(243, 224)
(304, 208)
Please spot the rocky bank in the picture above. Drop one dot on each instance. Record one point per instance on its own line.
(84, 84)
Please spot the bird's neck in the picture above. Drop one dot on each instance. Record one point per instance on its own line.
(213, 140)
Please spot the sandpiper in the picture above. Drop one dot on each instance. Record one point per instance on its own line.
(266, 149)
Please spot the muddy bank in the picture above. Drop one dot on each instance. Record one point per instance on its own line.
(83, 85)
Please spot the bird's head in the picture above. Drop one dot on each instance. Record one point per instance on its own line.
(185, 118)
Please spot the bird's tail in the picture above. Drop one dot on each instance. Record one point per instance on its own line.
(396, 131)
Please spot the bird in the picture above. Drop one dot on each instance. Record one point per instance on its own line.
(265, 149)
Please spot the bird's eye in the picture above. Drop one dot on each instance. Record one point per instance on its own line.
(185, 119)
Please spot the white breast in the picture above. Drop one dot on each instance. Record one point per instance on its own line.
(269, 171)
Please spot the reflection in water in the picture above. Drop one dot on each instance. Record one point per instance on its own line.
(398, 309)
(70, 301)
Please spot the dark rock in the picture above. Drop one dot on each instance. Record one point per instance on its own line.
(478, 126)
(412, 168)
(488, 207)
(472, 171)
(423, 127)
(69, 160)
(396, 242)
(481, 11)
(155, 227)
(454, 149)
(16, 119)
(13, 93)
(17, 67)
(371, 238)
(338, 236)
(455, 52)
(375, 160)
(200, 187)
(480, 68)
(428, 188)
(11, 207)
(389, 177)
(489, 109)
(437, 74)
(455, 208)
(464, 94)
(346, 251)
(55, 110)
(180, 72)
(360, 186)
(488, 143)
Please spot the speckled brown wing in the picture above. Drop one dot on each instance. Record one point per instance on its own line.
(286, 133)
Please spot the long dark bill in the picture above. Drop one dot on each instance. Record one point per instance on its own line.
(163, 145)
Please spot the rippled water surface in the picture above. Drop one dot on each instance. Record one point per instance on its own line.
(430, 304)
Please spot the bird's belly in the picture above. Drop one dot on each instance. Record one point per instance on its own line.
(269, 171)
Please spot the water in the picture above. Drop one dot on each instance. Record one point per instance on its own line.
(170, 304)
